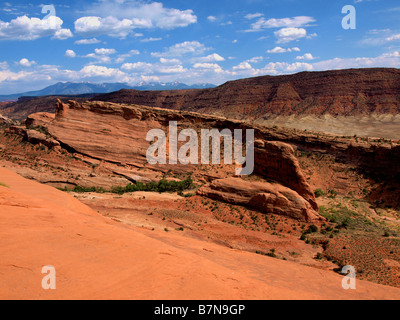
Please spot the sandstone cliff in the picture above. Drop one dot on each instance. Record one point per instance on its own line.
(339, 93)
(116, 134)
(353, 92)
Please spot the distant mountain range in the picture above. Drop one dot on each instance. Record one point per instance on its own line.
(70, 88)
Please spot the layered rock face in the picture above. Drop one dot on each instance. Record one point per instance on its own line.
(353, 92)
(116, 134)
(338, 93)
(262, 196)
(276, 160)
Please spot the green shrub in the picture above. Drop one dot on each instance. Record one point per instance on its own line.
(80, 189)
(319, 193)
(161, 186)
(332, 194)
(311, 229)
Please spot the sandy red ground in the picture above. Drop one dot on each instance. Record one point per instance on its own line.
(97, 258)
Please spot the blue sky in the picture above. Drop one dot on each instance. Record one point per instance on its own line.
(188, 41)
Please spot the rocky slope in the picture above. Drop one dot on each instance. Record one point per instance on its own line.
(97, 144)
(6, 122)
(42, 226)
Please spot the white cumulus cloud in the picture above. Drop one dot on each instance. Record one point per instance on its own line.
(282, 50)
(208, 66)
(103, 51)
(137, 66)
(63, 34)
(243, 66)
(87, 41)
(290, 34)
(170, 61)
(130, 14)
(307, 56)
(70, 54)
(294, 22)
(210, 58)
(179, 49)
(26, 63)
(96, 26)
(24, 28)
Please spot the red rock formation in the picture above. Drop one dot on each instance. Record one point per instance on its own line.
(262, 196)
(117, 134)
(276, 160)
(61, 110)
(123, 127)
(34, 137)
(338, 92)
(350, 92)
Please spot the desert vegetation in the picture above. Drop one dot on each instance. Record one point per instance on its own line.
(162, 185)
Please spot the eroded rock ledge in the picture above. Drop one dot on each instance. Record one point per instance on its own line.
(262, 196)
(116, 134)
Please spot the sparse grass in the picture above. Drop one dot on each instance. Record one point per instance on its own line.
(3, 184)
(355, 235)
(345, 218)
